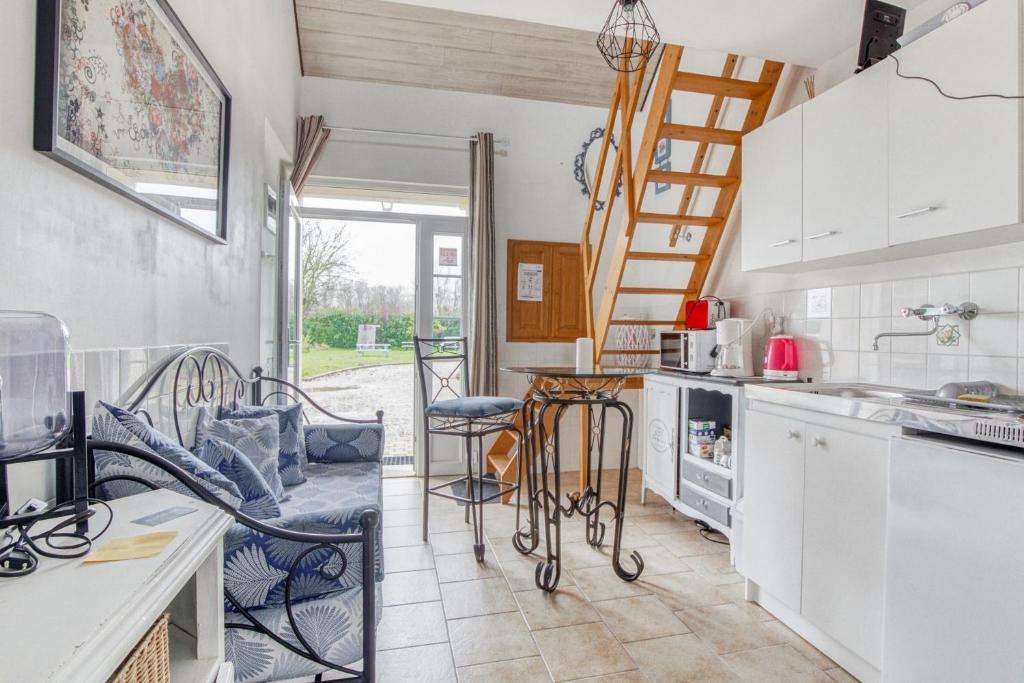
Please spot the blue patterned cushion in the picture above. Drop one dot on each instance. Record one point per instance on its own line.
(332, 625)
(257, 438)
(344, 442)
(474, 406)
(111, 423)
(256, 565)
(293, 450)
(258, 500)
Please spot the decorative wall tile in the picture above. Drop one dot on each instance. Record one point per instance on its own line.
(996, 291)
(1002, 371)
(876, 300)
(952, 339)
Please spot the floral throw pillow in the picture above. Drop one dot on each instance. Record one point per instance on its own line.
(257, 499)
(292, 463)
(256, 438)
(117, 425)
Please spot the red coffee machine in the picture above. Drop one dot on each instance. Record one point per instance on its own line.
(780, 359)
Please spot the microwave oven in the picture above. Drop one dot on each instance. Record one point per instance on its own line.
(688, 351)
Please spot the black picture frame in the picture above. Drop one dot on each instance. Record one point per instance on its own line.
(45, 132)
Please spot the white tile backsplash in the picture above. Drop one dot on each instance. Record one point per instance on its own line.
(838, 345)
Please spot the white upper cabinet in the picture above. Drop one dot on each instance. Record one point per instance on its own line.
(773, 193)
(956, 164)
(846, 174)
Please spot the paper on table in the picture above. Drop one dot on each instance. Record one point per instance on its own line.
(132, 547)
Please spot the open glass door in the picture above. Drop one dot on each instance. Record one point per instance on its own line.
(441, 297)
(289, 357)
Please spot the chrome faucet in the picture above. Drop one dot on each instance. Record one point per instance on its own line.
(965, 311)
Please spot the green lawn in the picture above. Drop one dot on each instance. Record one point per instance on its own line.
(321, 361)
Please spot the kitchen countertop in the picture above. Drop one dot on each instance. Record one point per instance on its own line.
(697, 377)
(903, 412)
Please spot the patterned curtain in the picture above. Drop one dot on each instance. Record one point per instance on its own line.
(310, 139)
(483, 303)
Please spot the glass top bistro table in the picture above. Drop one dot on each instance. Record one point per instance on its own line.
(555, 389)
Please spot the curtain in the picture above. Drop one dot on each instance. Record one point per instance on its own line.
(483, 303)
(310, 140)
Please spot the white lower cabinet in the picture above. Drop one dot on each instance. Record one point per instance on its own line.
(661, 425)
(774, 507)
(845, 495)
(816, 488)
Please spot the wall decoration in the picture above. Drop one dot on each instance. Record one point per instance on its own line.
(663, 154)
(585, 167)
(948, 335)
(124, 96)
(531, 282)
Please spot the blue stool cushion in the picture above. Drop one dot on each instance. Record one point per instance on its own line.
(474, 406)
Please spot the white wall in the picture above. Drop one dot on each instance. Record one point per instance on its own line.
(842, 350)
(118, 274)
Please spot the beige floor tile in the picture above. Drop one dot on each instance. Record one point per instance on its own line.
(581, 555)
(401, 536)
(777, 664)
(476, 598)
(402, 518)
(407, 501)
(407, 558)
(657, 560)
(490, 638)
(683, 590)
(447, 519)
(726, 628)
(809, 652)
(564, 607)
(402, 485)
(602, 583)
(464, 567)
(424, 664)
(580, 651)
(622, 677)
(679, 659)
(503, 549)
(712, 564)
(632, 537)
(840, 675)
(665, 523)
(735, 592)
(411, 625)
(639, 618)
(406, 588)
(452, 542)
(528, 670)
(521, 570)
(687, 543)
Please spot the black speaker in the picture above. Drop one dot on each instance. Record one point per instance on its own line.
(883, 25)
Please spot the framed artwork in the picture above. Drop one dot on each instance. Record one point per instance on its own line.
(125, 97)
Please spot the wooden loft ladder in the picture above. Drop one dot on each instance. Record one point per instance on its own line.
(637, 176)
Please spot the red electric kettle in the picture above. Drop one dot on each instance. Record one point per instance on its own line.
(780, 358)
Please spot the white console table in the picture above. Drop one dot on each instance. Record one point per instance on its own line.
(76, 622)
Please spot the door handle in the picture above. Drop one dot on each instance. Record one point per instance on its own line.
(917, 212)
(818, 442)
(793, 435)
(822, 235)
(781, 243)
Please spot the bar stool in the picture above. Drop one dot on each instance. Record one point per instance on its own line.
(444, 363)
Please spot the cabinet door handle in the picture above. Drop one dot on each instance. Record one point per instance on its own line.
(793, 434)
(818, 442)
(822, 235)
(781, 243)
(917, 212)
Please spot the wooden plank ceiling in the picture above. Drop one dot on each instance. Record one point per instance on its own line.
(390, 42)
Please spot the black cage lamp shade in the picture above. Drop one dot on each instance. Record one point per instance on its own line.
(629, 37)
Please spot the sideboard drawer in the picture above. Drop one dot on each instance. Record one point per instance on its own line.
(710, 481)
(710, 507)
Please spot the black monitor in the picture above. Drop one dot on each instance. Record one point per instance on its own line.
(883, 24)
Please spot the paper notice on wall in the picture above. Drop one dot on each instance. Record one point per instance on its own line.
(531, 282)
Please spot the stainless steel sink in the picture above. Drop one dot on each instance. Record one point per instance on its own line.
(852, 390)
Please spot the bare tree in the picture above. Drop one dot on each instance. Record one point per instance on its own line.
(325, 258)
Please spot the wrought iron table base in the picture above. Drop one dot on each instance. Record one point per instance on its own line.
(539, 445)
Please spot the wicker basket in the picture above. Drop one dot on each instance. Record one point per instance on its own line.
(150, 661)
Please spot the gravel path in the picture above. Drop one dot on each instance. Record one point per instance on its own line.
(361, 392)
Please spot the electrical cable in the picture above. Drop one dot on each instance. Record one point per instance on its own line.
(705, 530)
(20, 549)
(947, 95)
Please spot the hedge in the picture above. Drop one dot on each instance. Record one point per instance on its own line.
(340, 329)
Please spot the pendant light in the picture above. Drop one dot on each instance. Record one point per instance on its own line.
(629, 37)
